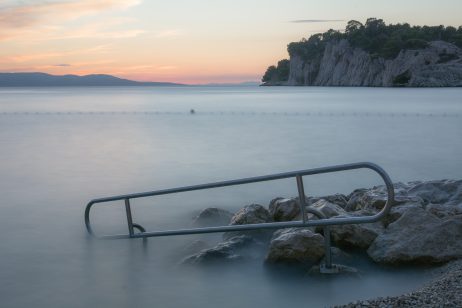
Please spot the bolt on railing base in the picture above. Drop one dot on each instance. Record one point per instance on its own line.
(337, 269)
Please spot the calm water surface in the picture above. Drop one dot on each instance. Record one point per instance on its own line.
(61, 147)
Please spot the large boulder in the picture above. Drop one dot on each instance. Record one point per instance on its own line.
(300, 246)
(213, 216)
(418, 237)
(284, 209)
(251, 214)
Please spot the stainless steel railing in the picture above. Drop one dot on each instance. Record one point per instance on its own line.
(275, 225)
(298, 175)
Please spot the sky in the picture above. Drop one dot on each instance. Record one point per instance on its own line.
(194, 42)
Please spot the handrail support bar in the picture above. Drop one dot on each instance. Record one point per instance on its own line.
(128, 210)
(301, 196)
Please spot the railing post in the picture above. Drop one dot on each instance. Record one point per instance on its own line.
(327, 247)
(129, 217)
(301, 196)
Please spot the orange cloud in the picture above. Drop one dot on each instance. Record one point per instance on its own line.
(40, 56)
(23, 19)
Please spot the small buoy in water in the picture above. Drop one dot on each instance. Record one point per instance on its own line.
(192, 111)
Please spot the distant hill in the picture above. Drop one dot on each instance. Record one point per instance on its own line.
(47, 80)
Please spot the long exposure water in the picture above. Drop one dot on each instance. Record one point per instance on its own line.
(61, 147)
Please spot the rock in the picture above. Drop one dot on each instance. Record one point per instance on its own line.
(372, 199)
(355, 236)
(344, 65)
(212, 255)
(213, 216)
(338, 199)
(440, 192)
(397, 211)
(328, 209)
(284, 209)
(251, 214)
(444, 210)
(418, 237)
(300, 246)
(223, 252)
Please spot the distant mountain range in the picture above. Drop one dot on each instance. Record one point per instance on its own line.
(47, 80)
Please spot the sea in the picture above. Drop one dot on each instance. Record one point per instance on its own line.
(62, 147)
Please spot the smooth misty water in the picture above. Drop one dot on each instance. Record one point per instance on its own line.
(62, 147)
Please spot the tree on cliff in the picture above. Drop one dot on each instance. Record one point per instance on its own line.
(277, 74)
(375, 37)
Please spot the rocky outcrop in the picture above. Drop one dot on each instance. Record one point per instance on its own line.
(423, 226)
(438, 65)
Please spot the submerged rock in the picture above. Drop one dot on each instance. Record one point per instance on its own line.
(212, 255)
(194, 247)
(296, 246)
(418, 237)
(223, 252)
(213, 216)
(284, 209)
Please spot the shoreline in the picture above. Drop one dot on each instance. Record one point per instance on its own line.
(445, 290)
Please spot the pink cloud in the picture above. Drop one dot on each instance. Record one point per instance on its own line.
(23, 19)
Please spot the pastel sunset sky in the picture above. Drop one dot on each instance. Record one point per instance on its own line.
(184, 41)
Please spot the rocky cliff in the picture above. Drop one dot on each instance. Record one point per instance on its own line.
(437, 65)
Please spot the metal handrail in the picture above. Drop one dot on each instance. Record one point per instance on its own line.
(273, 225)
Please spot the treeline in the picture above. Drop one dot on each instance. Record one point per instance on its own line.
(375, 37)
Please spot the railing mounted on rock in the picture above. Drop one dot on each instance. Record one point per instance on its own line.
(304, 222)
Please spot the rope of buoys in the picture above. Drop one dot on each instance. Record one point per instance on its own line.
(233, 113)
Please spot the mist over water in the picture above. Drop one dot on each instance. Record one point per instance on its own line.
(61, 147)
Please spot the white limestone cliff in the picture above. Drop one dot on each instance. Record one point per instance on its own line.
(438, 65)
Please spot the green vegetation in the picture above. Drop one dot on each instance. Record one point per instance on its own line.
(402, 79)
(279, 73)
(375, 37)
